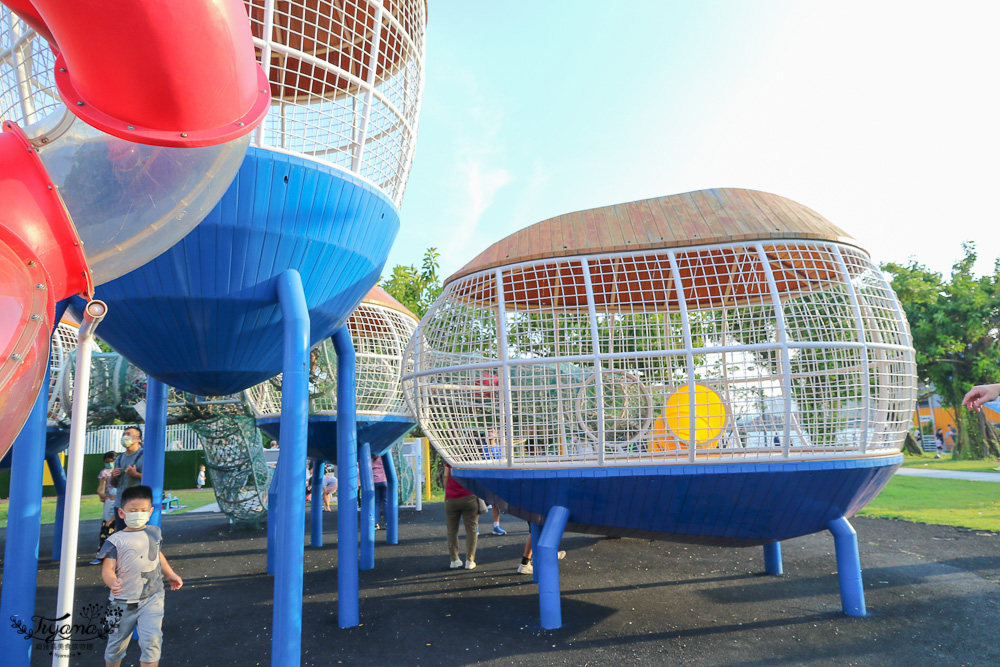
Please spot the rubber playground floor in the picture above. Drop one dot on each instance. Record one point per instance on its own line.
(933, 596)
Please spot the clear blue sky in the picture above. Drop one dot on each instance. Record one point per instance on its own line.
(881, 115)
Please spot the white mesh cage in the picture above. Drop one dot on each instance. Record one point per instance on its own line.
(346, 82)
(379, 335)
(768, 350)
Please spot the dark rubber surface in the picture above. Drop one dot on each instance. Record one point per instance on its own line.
(933, 596)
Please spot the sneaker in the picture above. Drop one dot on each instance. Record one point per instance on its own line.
(378, 527)
(525, 568)
(470, 565)
(561, 555)
(497, 530)
(96, 561)
(455, 564)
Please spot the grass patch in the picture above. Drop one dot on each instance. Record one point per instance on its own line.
(945, 502)
(928, 461)
(92, 508)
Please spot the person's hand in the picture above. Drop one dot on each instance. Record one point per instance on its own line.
(116, 588)
(175, 581)
(980, 394)
(115, 474)
(132, 472)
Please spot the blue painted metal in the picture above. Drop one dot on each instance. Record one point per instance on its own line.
(286, 637)
(155, 444)
(272, 516)
(852, 589)
(316, 505)
(367, 507)
(772, 558)
(379, 432)
(546, 558)
(202, 316)
(535, 529)
(58, 474)
(392, 499)
(348, 614)
(744, 504)
(24, 519)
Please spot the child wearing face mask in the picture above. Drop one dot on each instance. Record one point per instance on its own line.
(107, 492)
(134, 569)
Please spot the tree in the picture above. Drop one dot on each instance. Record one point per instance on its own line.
(955, 327)
(415, 289)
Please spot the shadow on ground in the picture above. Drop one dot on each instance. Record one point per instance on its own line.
(933, 594)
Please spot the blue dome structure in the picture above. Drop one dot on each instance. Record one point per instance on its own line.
(723, 367)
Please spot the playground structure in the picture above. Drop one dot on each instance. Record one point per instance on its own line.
(723, 366)
(294, 243)
(379, 329)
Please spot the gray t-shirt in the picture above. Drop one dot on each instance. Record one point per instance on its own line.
(137, 553)
(126, 480)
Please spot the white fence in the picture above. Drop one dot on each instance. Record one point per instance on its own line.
(108, 438)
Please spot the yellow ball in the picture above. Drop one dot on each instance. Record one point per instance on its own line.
(709, 414)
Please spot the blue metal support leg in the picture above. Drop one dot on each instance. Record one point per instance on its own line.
(852, 591)
(24, 519)
(286, 640)
(546, 557)
(316, 508)
(154, 447)
(58, 475)
(392, 500)
(272, 516)
(348, 614)
(536, 534)
(772, 558)
(367, 507)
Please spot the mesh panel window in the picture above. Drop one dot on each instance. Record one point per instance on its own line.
(744, 352)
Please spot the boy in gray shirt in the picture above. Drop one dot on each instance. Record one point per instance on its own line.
(134, 569)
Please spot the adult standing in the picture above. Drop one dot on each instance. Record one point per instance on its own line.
(127, 471)
(460, 503)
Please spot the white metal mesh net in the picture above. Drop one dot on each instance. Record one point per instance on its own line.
(755, 351)
(379, 335)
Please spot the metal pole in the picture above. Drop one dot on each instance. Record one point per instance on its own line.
(367, 507)
(546, 557)
(348, 615)
(58, 475)
(289, 552)
(316, 508)
(155, 444)
(392, 499)
(852, 589)
(93, 313)
(272, 515)
(20, 556)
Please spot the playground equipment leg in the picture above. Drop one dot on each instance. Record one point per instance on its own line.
(316, 508)
(392, 501)
(852, 591)
(272, 516)
(155, 444)
(20, 556)
(546, 557)
(367, 507)
(536, 534)
(58, 474)
(286, 640)
(772, 558)
(348, 614)
(93, 313)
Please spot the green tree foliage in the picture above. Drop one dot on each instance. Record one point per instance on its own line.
(417, 289)
(955, 325)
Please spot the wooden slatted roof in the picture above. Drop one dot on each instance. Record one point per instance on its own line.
(702, 217)
(379, 297)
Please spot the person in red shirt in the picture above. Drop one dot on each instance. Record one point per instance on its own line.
(460, 503)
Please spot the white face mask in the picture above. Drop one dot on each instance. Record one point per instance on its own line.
(128, 440)
(137, 519)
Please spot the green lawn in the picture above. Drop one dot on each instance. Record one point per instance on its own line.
(947, 502)
(90, 506)
(928, 461)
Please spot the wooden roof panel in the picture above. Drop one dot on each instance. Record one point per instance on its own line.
(695, 218)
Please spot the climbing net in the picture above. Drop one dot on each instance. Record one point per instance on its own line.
(234, 455)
